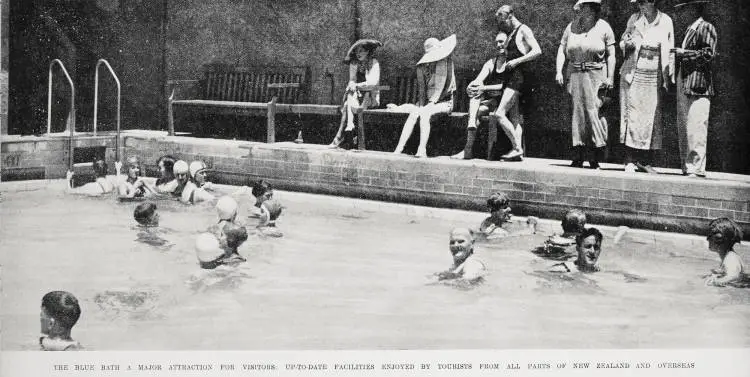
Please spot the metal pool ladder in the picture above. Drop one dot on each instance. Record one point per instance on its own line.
(71, 115)
(96, 101)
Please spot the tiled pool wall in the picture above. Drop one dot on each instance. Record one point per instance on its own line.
(667, 203)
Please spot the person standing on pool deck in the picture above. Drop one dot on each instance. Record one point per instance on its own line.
(60, 312)
(723, 234)
(466, 266)
(436, 82)
(694, 87)
(522, 48)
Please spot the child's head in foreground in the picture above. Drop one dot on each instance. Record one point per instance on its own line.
(60, 312)
(574, 221)
(226, 208)
(234, 236)
(461, 244)
(723, 234)
(262, 191)
(589, 247)
(146, 215)
(499, 206)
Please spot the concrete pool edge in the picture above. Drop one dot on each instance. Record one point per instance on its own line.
(537, 187)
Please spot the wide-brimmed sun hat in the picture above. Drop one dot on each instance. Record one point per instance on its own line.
(577, 6)
(691, 2)
(435, 50)
(369, 44)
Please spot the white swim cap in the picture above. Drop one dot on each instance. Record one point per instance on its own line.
(207, 248)
(226, 208)
(195, 167)
(180, 167)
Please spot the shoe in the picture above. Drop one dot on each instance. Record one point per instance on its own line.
(630, 167)
(458, 156)
(650, 170)
(594, 165)
(576, 164)
(515, 154)
(691, 175)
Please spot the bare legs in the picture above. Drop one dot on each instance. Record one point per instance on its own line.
(351, 105)
(423, 114)
(509, 106)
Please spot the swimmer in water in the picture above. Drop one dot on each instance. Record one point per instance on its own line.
(166, 183)
(723, 234)
(262, 191)
(270, 210)
(234, 237)
(198, 171)
(466, 266)
(100, 186)
(573, 224)
(589, 248)
(187, 191)
(133, 187)
(146, 216)
(60, 312)
(499, 223)
(226, 210)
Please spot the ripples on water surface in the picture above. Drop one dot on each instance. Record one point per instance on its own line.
(343, 278)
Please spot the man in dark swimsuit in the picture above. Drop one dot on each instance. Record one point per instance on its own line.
(522, 48)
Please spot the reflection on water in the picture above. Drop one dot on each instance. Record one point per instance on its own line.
(343, 278)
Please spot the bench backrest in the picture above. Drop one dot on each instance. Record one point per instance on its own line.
(404, 88)
(250, 84)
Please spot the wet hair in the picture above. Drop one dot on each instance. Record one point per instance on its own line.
(504, 9)
(729, 230)
(143, 212)
(574, 221)
(588, 232)
(168, 162)
(100, 168)
(235, 235)
(261, 187)
(62, 307)
(498, 201)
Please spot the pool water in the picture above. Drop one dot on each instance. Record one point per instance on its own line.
(347, 274)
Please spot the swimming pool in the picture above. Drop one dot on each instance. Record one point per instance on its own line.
(348, 274)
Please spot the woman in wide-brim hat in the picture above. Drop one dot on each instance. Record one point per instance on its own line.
(364, 69)
(436, 83)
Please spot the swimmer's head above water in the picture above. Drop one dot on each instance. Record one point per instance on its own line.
(499, 206)
(461, 244)
(181, 171)
(574, 221)
(589, 248)
(146, 215)
(262, 191)
(60, 311)
(723, 234)
(226, 208)
(100, 168)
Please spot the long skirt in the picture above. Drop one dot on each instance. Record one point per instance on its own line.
(640, 123)
(588, 128)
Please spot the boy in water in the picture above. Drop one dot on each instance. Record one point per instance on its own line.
(573, 224)
(149, 231)
(499, 223)
(465, 265)
(145, 214)
(589, 247)
(234, 237)
(60, 312)
(723, 234)
(261, 191)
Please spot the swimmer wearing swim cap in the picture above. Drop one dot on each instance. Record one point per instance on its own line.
(198, 175)
(208, 250)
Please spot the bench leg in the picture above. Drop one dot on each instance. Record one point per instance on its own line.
(271, 121)
(170, 117)
(361, 129)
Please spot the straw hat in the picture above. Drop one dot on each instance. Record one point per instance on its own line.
(690, 2)
(579, 2)
(207, 248)
(370, 44)
(435, 50)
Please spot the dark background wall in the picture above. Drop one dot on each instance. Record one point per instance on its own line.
(150, 41)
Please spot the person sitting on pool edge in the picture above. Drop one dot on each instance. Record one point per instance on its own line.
(723, 234)
(573, 224)
(59, 313)
(466, 266)
(100, 186)
(499, 223)
(133, 187)
(589, 248)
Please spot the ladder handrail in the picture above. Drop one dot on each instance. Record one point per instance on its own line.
(96, 101)
(72, 113)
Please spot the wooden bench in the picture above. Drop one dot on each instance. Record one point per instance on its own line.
(249, 91)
